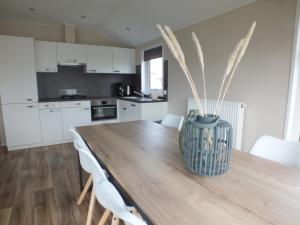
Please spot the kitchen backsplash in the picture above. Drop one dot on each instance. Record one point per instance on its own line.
(94, 85)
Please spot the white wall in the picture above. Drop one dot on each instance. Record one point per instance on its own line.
(263, 76)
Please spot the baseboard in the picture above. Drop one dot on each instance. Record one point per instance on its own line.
(21, 147)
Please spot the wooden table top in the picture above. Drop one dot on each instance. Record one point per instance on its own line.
(144, 158)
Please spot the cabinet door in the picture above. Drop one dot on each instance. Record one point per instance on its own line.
(99, 59)
(18, 82)
(51, 125)
(71, 53)
(45, 56)
(75, 117)
(22, 124)
(134, 111)
(122, 110)
(123, 60)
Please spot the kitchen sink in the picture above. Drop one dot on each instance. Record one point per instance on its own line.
(131, 97)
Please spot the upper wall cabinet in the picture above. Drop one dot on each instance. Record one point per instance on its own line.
(18, 82)
(99, 59)
(68, 53)
(45, 56)
(123, 60)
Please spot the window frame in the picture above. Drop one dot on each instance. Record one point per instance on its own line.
(145, 71)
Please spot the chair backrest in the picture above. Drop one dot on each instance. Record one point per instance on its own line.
(78, 141)
(94, 167)
(110, 198)
(278, 150)
(172, 120)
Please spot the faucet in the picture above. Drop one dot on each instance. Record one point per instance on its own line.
(140, 94)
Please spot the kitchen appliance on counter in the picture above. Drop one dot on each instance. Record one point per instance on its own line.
(70, 94)
(119, 89)
(128, 90)
(104, 109)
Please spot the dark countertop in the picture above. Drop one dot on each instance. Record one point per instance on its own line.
(58, 99)
(137, 100)
(142, 100)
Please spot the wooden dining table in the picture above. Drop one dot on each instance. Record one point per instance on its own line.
(144, 162)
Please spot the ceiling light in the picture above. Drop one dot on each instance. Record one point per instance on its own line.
(32, 9)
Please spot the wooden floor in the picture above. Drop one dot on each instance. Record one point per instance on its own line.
(40, 186)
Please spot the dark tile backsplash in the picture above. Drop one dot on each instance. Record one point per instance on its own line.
(93, 85)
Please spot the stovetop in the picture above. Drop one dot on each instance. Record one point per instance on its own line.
(73, 96)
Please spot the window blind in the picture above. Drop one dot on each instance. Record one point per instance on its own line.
(153, 53)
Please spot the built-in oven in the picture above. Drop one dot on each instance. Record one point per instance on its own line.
(104, 109)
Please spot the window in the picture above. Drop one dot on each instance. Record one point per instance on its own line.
(153, 69)
(155, 74)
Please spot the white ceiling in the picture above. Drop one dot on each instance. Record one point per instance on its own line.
(112, 17)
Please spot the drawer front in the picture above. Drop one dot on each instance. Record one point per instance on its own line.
(49, 105)
(73, 104)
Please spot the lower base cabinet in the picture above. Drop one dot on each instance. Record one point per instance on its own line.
(51, 124)
(79, 116)
(22, 124)
(131, 111)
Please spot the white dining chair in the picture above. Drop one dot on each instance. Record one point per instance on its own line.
(108, 197)
(172, 120)
(278, 150)
(80, 146)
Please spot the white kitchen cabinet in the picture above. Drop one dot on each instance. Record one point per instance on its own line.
(99, 59)
(133, 111)
(51, 125)
(122, 110)
(73, 115)
(130, 111)
(21, 124)
(45, 56)
(18, 82)
(68, 53)
(123, 60)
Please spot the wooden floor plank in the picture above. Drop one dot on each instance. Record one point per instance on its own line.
(39, 186)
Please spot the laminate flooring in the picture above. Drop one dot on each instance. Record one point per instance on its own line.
(40, 186)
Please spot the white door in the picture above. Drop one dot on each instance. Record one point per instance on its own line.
(123, 60)
(75, 117)
(122, 111)
(51, 124)
(18, 82)
(21, 124)
(45, 56)
(134, 111)
(71, 53)
(99, 59)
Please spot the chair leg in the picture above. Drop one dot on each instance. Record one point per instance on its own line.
(91, 208)
(115, 220)
(85, 190)
(104, 218)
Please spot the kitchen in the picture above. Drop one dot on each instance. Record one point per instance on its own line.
(60, 84)
(149, 112)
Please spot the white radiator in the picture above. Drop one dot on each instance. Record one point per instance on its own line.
(232, 112)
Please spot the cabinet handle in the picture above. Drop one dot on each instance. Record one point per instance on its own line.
(47, 69)
(29, 99)
(92, 70)
(55, 110)
(86, 108)
(46, 105)
(74, 60)
(30, 106)
(133, 105)
(124, 108)
(117, 71)
(78, 104)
